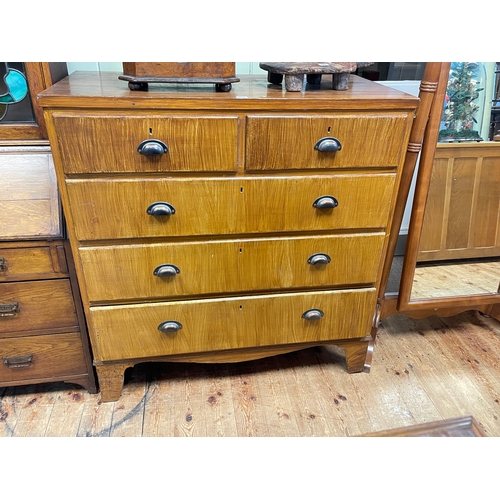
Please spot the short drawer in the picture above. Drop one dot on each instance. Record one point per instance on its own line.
(36, 305)
(109, 209)
(128, 332)
(326, 142)
(168, 270)
(97, 144)
(29, 262)
(41, 357)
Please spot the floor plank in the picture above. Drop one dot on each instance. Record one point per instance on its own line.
(423, 370)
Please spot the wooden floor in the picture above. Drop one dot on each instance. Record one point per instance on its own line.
(423, 370)
(433, 280)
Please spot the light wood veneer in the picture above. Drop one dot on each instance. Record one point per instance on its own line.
(241, 177)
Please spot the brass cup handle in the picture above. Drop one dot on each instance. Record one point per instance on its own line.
(166, 271)
(319, 259)
(152, 147)
(313, 314)
(160, 208)
(7, 310)
(328, 145)
(18, 361)
(169, 326)
(325, 202)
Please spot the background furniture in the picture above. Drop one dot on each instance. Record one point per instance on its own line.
(483, 198)
(216, 227)
(43, 335)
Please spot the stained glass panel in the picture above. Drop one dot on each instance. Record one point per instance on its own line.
(15, 102)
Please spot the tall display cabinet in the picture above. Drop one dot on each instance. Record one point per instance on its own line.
(43, 335)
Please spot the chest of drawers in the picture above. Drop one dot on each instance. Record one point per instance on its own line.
(43, 335)
(221, 227)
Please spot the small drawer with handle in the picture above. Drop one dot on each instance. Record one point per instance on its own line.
(326, 142)
(31, 306)
(146, 143)
(41, 357)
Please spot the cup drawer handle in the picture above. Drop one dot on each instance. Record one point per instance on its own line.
(169, 326)
(18, 361)
(313, 314)
(152, 147)
(160, 208)
(7, 310)
(166, 271)
(325, 202)
(319, 259)
(328, 145)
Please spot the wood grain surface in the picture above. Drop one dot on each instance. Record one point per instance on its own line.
(425, 370)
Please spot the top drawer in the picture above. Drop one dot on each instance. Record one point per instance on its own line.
(98, 144)
(362, 140)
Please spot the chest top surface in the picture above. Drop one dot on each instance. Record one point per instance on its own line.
(104, 90)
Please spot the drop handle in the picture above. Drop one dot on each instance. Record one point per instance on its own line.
(319, 259)
(9, 310)
(325, 202)
(166, 271)
(160, 208)
(328, 145)
(313, 314)
(169, 326)
(152, 147)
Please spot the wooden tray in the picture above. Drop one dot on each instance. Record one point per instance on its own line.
(139, 74)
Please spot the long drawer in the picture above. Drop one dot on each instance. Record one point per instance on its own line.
(133, 331)
(36, 305)
(112, 208)
(295, 142)
(167, 270)
(41, 357)
(98, 144)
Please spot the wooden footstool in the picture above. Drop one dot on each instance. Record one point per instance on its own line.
(294, 73)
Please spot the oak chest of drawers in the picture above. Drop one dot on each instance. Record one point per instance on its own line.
(220, 227)
(43, 335)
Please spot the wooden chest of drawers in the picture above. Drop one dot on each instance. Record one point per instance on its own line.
(220, 227)
(43, 335)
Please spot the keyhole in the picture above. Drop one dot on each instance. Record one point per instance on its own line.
(150, 131)
(241, 307)
(241, 190)
(329, 129)
(241, 250)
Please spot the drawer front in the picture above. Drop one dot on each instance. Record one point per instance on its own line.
(287, 143)
(39, 357)
(127, 332)
(108, 209)
(36, 305)
(29, 199)
(95, 144)
(127, 272)
(31, 262)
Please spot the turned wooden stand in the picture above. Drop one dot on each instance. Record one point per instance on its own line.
(294, 73)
